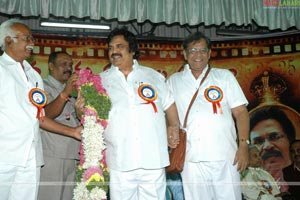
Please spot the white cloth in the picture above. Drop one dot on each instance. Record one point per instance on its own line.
(136, 135)
(210, 136)
(211, 133)
(252, 185)
(19, 127)
(216, 180)
(138, 184)
(18, 182)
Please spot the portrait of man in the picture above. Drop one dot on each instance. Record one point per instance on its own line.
(272, 132)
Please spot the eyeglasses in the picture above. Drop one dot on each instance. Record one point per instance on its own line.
(272, 137)
(193, 51)
(26, 38)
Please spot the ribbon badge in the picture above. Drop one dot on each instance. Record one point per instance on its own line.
(148, 93)
(38, 98)
(214, 95)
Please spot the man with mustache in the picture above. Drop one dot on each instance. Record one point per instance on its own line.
(21, 115)
(60, 152)
(136, 135)
(272, 131)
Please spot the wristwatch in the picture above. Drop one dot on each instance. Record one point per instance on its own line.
(245, 140)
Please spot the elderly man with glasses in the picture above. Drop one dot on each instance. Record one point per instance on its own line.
(213, 157)
(21, 114)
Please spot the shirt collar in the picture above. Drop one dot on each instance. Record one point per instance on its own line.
(134, 66)
(187, 70)
(55, 82)
(11, 61)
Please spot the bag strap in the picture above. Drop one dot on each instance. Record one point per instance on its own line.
(194, 97)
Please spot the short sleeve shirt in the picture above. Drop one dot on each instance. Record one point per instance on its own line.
(211, 134)
(136, 132)
(56, 145)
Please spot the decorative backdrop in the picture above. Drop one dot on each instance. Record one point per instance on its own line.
(268, 69)
(277, 58)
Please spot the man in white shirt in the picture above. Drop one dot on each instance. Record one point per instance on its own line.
(213, 158)
(136, 136)
(21, 150)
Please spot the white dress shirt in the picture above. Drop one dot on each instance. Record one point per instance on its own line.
(19, 127)
(136, 135)
(210, 136)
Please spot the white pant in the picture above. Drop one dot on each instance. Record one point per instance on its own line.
(19, 183)
(218, 180)
(138, 184)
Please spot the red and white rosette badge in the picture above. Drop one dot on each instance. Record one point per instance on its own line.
(38, 98)
(214, 95)
(148, 93)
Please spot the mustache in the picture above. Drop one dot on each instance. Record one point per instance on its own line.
(29, 47)
(115, 54)
(68, 72)
(270, 153)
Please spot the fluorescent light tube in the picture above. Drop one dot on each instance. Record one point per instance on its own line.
(75, 25)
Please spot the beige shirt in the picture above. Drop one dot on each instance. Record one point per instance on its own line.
(56, 145)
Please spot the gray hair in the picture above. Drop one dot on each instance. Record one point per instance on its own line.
(7, 31)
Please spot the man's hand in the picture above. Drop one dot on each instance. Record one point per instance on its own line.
(173, 136)
(77, 132)
(70, 85)
(242, 157)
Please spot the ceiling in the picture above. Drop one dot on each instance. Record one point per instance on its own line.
(148, 30)
(159, 19)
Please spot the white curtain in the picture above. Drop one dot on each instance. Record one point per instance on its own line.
(191, 12)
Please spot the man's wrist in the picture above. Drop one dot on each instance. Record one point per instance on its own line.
(64, 97)
(244, 140)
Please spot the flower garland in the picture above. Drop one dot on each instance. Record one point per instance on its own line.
(92, 174)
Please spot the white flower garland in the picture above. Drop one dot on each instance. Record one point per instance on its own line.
(81, 193)
(92, 140)
(92, 174)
